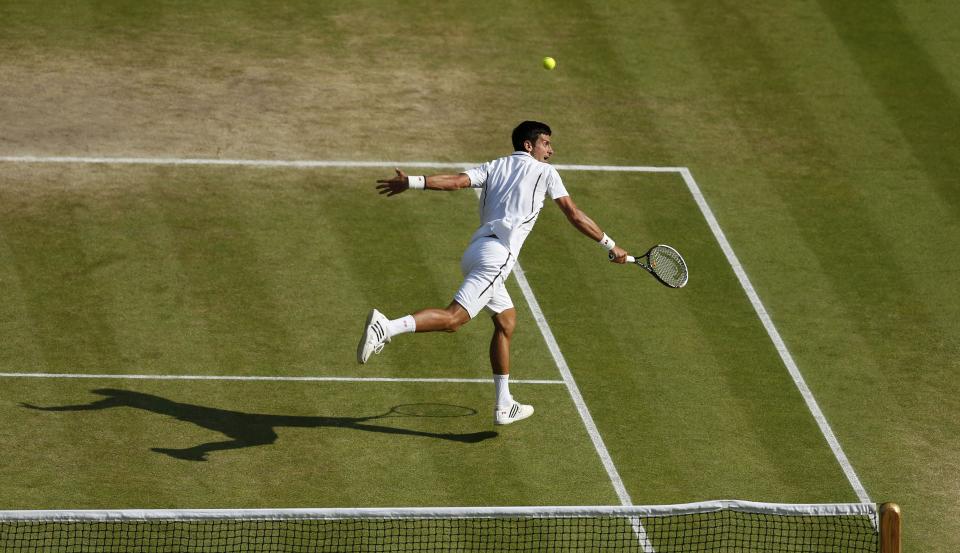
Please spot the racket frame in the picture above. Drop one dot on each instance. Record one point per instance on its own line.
(646, 265)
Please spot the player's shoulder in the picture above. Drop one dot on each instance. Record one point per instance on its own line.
(551, 171)
(508, 163)
(523, 158)
(524, 162)
(515, 158)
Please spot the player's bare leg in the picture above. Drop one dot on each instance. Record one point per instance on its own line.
(503, 325)
(378, 330)
(507, 410)
(446, 320)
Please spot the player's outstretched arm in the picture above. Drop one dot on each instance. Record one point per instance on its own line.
(587, 226)
(401, 182)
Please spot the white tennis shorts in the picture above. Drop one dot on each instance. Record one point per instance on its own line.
(485, 266)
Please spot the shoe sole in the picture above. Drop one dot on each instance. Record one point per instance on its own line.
(363, 337)
(511, 421)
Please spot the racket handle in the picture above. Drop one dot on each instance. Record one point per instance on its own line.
(630, 258)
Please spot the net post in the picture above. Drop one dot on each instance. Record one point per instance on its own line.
(889, 528)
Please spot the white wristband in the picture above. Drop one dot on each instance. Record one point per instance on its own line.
(417, 183)
(607, 243)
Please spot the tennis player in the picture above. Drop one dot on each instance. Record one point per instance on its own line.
(513, 191)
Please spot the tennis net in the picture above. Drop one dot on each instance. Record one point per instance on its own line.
(715, 526)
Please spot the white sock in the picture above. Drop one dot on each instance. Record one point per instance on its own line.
(401, 326)
(502, 387)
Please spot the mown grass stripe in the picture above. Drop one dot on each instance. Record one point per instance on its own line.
(777, 340)
(267, 378)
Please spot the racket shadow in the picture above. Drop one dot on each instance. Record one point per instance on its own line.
(256, 429)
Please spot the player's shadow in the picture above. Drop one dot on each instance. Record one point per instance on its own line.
(252, 429)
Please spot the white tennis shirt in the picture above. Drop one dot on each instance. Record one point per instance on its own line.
(514, 188)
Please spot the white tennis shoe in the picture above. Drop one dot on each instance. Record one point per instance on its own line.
(374, 336)
(511, 414)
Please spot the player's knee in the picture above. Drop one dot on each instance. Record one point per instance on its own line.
(505, 324)
(456, 319)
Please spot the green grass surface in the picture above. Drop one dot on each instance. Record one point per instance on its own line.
(224, 271)
(823, 136)
(137, 454)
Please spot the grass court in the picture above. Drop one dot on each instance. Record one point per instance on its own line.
(821, 136)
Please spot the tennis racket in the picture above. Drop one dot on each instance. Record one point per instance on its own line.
(664, 263)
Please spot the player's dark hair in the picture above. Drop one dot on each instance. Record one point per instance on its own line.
(529, 130)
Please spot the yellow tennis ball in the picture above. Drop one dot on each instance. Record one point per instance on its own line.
(549, 63)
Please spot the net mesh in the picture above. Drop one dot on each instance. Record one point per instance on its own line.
(725, 530)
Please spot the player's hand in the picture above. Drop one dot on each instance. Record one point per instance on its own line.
(395, 185)
(618, 255)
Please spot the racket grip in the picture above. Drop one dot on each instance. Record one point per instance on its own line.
(630, 258)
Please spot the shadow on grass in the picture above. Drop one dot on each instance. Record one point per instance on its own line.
(254, 429)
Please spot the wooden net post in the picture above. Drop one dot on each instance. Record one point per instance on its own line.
(889, 528)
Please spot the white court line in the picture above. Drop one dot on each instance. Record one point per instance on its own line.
(266, 378)
(732, 259)
(306, 164)
(567, 376)
(575, 394)
(776, 339)
(577, 397)
(580, 404)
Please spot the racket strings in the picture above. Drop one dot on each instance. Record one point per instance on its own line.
(669, 266)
